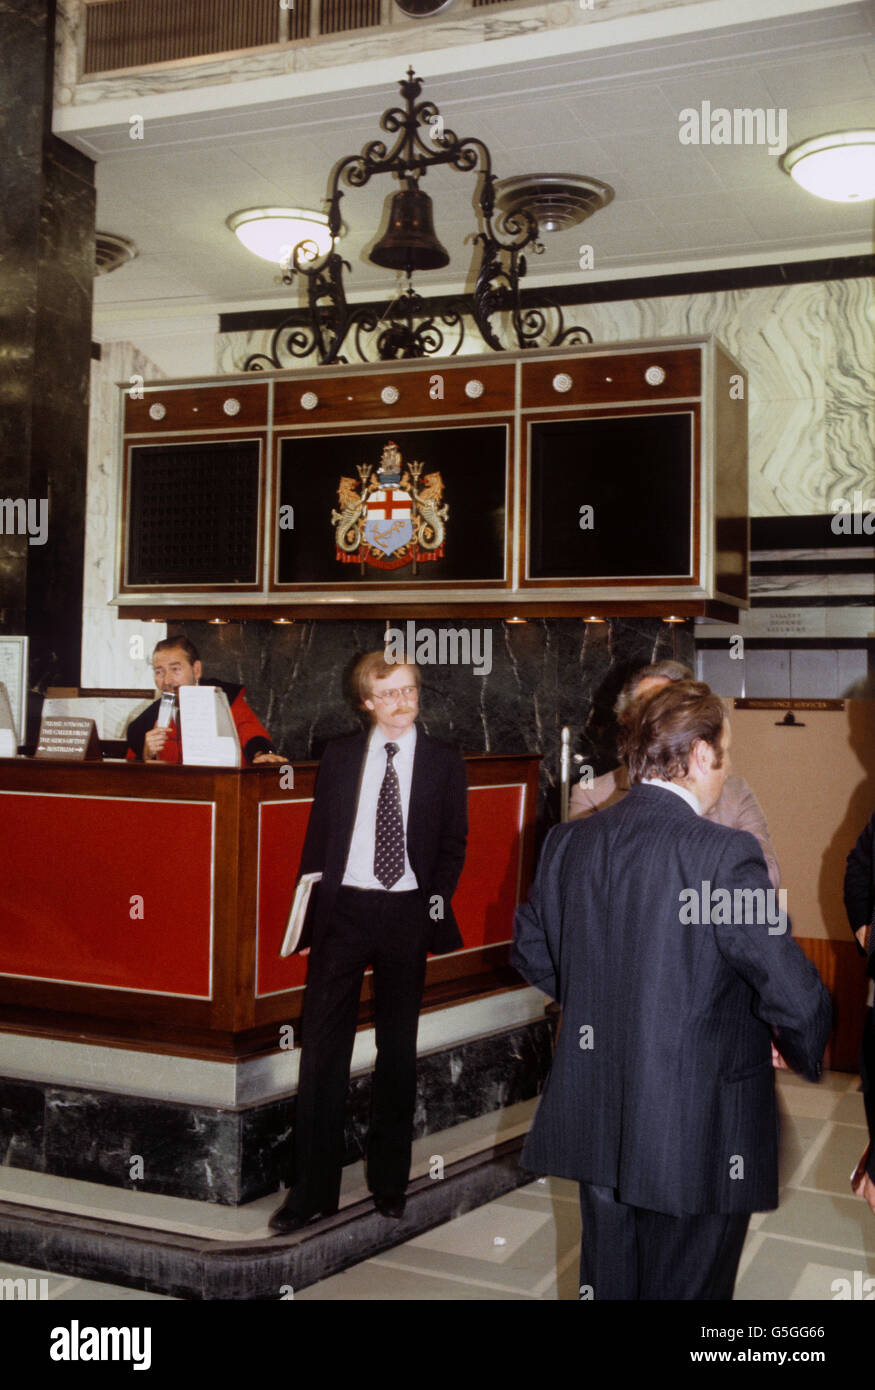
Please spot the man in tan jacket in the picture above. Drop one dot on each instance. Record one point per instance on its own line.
(737, 808)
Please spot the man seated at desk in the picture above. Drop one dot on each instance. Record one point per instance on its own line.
(175, 662)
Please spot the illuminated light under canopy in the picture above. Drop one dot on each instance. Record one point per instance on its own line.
(273, 233)
(839, 167)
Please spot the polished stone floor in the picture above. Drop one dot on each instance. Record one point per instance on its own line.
(525, 1245)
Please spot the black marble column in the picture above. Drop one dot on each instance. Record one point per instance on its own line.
(46, 273)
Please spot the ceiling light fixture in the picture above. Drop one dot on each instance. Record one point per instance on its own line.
(409, 243)
(839, 167)
(275, 234)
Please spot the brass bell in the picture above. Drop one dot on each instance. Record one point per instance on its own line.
(409, 242)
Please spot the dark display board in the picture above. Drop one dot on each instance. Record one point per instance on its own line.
(193, 513)
(635, 473)
(417, 506)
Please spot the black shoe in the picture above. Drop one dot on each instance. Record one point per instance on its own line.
(286, 1219)
(390, 1204)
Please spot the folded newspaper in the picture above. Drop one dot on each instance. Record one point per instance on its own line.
(298, 914)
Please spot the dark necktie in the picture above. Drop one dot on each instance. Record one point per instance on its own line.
(389, 839)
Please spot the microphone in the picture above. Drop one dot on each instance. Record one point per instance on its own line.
(166, 709)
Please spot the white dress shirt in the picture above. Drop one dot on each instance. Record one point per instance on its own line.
(359, 871)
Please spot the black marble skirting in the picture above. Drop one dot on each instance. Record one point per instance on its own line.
(273, 1268)
(233, 1155)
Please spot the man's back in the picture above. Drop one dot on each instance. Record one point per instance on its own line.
(662, 1084)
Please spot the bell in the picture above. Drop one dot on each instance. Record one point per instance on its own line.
(409, 242)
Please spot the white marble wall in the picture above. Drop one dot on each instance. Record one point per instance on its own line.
(808, 350)
(114, 651)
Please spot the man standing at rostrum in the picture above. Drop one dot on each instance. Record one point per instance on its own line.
(387, 830)
(661, 1098)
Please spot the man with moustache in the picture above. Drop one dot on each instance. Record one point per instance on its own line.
(661, 1100)
(737, 806)
(175, 662)
(387, 831)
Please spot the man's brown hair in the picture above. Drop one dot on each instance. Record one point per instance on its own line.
(170, 644)
(658, 735)
(374, 666)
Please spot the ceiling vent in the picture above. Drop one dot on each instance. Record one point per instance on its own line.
(111, 251)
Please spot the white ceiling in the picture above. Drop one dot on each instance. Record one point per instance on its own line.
(612, 114)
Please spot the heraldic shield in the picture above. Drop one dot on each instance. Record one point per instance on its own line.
(393, 516)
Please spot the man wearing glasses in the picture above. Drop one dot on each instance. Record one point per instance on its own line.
(387, 831)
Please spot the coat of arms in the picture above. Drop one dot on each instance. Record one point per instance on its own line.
(393, 516)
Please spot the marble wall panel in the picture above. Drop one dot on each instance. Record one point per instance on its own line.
(109, 643)
(347, 49)
(544, 674)
(808, 351)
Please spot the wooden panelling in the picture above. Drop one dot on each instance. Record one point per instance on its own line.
(198, 408)
(842, 970)
(135, 33)
(613, 377)
(438, 393)
(135, 1012)
(335, 16)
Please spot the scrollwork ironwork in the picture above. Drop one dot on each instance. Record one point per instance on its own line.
(409, 329)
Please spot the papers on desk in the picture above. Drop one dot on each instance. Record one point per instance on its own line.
(209, 735)
(294, 939)
(8, 741)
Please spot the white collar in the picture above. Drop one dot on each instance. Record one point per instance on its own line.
(673, 787)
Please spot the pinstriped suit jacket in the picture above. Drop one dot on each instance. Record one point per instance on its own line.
(670, 1099)
(737, 808)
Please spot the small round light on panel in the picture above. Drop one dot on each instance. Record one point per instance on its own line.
(654, 376)
(157, 411)
(231, 406)
(562, 382)
(474, 389)
(309, 400)
(389, 395)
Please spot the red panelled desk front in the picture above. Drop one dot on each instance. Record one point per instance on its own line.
(146, 905)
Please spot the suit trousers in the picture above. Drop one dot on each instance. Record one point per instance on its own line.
(389, 932)
(632, 1253)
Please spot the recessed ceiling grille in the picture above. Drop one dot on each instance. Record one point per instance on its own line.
(134, 33)
(337, 15)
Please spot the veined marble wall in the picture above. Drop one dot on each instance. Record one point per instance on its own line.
(107, 641)
(359, 46)
(808, 350)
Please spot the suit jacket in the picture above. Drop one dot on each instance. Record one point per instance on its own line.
(437, 826)
(737, 808)
(670, 1099)
(859, 887)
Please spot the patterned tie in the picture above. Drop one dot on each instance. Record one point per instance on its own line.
(389, 839)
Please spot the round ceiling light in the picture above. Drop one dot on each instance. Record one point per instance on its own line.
(273, 233)
(840, 166)
(557, 201)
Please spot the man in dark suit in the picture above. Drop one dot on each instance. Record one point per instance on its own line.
(860, 907)
(661, 1097)
(387, 830)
